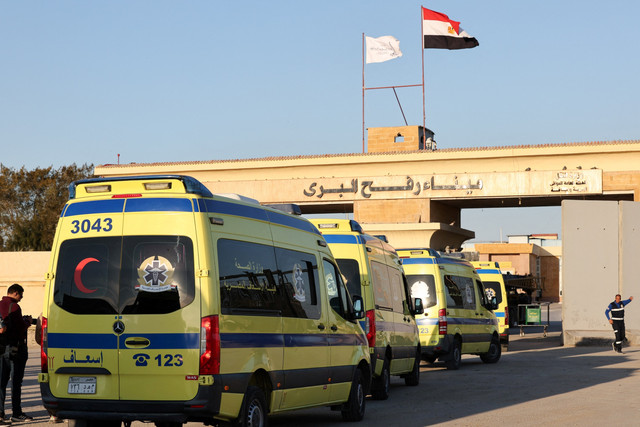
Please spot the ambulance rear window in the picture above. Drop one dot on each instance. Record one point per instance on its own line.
(157, 274)
(130, 275)
(423, 286)
(493, 289)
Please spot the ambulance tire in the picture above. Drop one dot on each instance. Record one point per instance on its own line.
(254, 409)
(494, 353)
(353, 409)
(429, 359)
(382, 384)
(455, 357)
(413, 377)
(94, 423)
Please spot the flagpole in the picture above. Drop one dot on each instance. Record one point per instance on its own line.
(363, 93)
(424, 114)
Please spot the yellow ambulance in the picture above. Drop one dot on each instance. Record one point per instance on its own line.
(491, 276)
(372, 270)
(167, 304)
(458, 317)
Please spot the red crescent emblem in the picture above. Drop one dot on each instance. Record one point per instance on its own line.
(77, 275)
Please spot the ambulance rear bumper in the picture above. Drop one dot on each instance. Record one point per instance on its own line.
(202, 407)
(441, 348)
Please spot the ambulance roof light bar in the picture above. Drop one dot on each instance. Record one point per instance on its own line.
(191, 185)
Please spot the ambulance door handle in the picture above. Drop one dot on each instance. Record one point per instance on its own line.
(137, 342)
(334, 328)
(321, 327)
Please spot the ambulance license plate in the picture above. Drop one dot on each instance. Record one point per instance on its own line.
(82, 385)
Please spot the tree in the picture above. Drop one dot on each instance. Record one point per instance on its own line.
(31, 202)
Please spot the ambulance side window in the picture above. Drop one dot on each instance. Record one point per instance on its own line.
(350, 270)
(408, 303)
(465, 284)
(453, 293)
(247, 277)
(336, 290)
(381, 286)
(397, 289)
(298, 283)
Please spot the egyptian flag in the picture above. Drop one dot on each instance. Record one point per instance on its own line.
(440, 32)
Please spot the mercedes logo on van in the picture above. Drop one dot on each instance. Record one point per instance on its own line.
(118, 327)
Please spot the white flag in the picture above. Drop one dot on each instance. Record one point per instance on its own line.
(382, 49)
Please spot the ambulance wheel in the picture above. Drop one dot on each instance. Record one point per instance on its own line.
(353, 409)
(94, 423)
(494, 353)
(254, 409)
(455, 357)
(429, 359)
(382, 384)
(413, 377)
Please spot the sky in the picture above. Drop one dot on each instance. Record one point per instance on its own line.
(156, 81)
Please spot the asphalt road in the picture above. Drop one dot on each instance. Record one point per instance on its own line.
(537, 382)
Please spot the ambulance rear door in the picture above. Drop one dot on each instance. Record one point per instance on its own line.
(82, 345)
(158, 325)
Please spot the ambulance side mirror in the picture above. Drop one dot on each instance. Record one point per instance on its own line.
(418, 308)
(358, 307)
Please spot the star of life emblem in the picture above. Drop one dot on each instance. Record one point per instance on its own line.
(491, 293)
(298, 277)
(420, 289)
(155, 274)
(332, 288)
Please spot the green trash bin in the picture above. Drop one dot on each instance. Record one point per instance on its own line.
(533, 315)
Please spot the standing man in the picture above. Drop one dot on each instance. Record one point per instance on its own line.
(14, 359)
(616, 308)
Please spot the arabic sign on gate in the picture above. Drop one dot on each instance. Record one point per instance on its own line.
(529, 183)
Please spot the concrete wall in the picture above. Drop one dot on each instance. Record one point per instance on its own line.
(28, 269)
(600, 246)
(630, 266)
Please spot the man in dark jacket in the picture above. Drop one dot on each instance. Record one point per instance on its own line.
(14, 358)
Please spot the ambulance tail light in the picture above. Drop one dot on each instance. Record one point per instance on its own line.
(442, 321)
(506, 316)
(44, 347)
(209, 346)
(370, 328)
